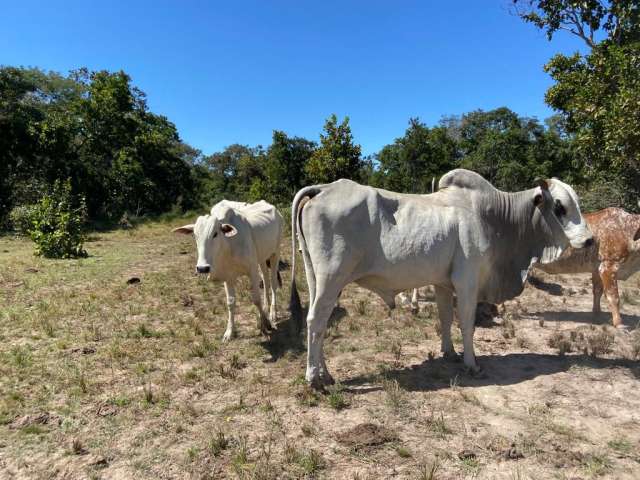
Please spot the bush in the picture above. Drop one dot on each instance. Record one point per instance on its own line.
(20, 219)
(57, 224)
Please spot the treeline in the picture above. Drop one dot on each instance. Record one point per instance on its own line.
(95, 129)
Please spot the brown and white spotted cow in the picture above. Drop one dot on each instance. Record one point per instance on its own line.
(614, 256)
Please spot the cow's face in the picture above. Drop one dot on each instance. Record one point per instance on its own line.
(212, 237)
(560, 203)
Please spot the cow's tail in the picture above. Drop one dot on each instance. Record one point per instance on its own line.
(295, 305)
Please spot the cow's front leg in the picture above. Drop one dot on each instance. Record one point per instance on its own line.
(467, 297)
(444, 300)
(596, 282)
(608, 273)
(263, 322)
(230, 290)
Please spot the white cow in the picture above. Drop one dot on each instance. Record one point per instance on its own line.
(468, 238)
(240, 239)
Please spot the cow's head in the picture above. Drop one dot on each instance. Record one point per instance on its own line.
(559, 205)
(212, 236)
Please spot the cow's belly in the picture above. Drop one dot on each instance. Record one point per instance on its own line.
(396, 272)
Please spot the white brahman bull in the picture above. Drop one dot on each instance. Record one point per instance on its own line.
(240, 239)
(468, 238)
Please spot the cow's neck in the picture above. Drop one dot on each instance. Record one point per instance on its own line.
(525, 225)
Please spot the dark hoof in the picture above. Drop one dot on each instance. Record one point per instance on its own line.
(327, 379)
(475, 372)
(452, 357)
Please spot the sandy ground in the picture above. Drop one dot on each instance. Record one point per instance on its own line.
(102, 379)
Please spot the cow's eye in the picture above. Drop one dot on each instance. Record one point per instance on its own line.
(215, 234)
(558, 209)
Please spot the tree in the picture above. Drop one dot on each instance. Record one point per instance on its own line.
(510, 151)
(285, 166)
(413, 160)
(337, 157)
(598, 93)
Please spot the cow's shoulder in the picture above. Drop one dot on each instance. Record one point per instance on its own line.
(467, 179)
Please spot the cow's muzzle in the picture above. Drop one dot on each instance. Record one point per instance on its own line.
(205, 269)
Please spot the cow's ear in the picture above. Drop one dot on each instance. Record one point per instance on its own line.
(228, 230)
(185, 229)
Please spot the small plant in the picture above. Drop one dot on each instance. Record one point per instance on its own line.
(559, 341)
(57, 222)
(336, 398)
(403, 452)
(311, 462)
(600, 343)
(396, 349)
(218, 443)
(241, 454)
(76, 447)
(508, 327)
(396, 397)
(428, 472)
(21, 219)
(147, 395)
(307, 396)
(192, 454)
(438, 425)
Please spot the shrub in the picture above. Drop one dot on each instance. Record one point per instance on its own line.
(20, 219)
(57, 223)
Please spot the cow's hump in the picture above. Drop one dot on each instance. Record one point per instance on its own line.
(462, 178)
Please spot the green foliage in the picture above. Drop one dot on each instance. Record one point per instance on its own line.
(598, 94)
(412, 162)
(20, 219)
(57, 224)
(337, 157)
(95, 129)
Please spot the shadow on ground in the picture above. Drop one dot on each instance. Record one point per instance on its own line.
(507, 369)
(550, 288)
(603, 318)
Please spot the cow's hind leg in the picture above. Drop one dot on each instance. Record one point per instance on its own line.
(274, 261)
(415, 306)
(230, 290)
(596, 282)
(317, 373)
(444, 300)
(608, 273)
(263, 322)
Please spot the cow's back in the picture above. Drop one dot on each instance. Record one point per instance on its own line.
(266, 226)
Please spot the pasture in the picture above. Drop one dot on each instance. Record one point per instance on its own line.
(104, 376)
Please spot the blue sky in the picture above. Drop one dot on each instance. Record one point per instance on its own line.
(231, 72)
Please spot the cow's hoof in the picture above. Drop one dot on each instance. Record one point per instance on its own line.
(327, 379)
(475, 372)
(452, 357)
(415, 310)
(317, 384)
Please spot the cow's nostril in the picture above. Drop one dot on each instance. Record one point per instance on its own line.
(203, 269)
(588, 242)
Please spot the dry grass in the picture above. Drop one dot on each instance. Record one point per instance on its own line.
(102, 379)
